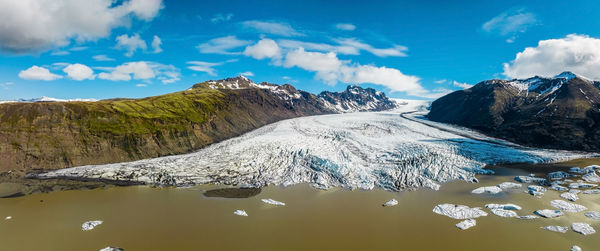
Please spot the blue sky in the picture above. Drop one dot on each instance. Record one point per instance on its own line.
(409, 49)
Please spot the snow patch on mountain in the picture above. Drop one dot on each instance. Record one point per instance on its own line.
(48, 99)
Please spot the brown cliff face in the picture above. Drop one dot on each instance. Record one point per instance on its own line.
(52, 135)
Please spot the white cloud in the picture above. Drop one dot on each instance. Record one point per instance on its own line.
(345, 26)
(130, 44)
(156, 43)
(67, 52)
(441, 81)
(510, 22)
(202, 66)
(222, 45)
(579, 54)
(345, 46)
(60, 53)
(220, 17)
(272, 27)
(461, 85)
(38, 73)
(143, 70)
(265, 48)
(331, 70)
(326, 65)
(323, 47)
(6, 85)
(102, 58)
(246, 74)
(79, 72)
(39, 25)
(141, 85)
(395, 51)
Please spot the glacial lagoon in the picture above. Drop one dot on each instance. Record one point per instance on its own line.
(146, 218)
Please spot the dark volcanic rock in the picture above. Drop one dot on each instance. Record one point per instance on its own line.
(561, 112)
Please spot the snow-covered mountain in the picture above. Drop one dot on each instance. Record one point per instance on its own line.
(391, 150)
(558, 112)
(48, 99)
(353, 99)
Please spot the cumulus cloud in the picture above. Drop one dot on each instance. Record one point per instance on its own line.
(265, 48)
(79, 72)
(39, 25)
(461, 85)
(156, 43)
(130, 44)
(141, 70)
(102, 58)
(510, 22)
(222, 45)
(38, 73)
(576, 53)
(272, 27)
(220, 17)
(331, 70)
(345, 26)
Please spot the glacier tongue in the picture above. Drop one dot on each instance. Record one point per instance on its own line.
(356, 150)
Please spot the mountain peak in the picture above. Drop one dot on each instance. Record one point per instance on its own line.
(567, 75)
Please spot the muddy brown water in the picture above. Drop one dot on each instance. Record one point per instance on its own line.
(145, 218)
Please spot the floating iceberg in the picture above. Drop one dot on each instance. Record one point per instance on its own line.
(240, 213)
(529, 179)
(504, 213)
(592, 191)
(583, 228)
(489, 189)
(503, 206)
(593, 215)
(569, 196)
(111, 249)
(509, 185)
(536, 190)
(89, 225)
(549, 213)
(273, 202)
(390, 203)
(567, 206)
(558, 175)
(458, 211)
(466, 224)
(591, 177)
(559, 229)
(579, 185)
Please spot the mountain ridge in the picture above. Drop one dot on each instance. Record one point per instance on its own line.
(561, 112)
(53, 135)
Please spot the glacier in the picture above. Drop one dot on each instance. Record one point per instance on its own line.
(392, 150)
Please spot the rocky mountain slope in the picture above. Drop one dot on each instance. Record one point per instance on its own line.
(53, 135)
(352, 150)
(561, 112)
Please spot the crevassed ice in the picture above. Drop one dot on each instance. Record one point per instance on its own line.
(357, 150)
